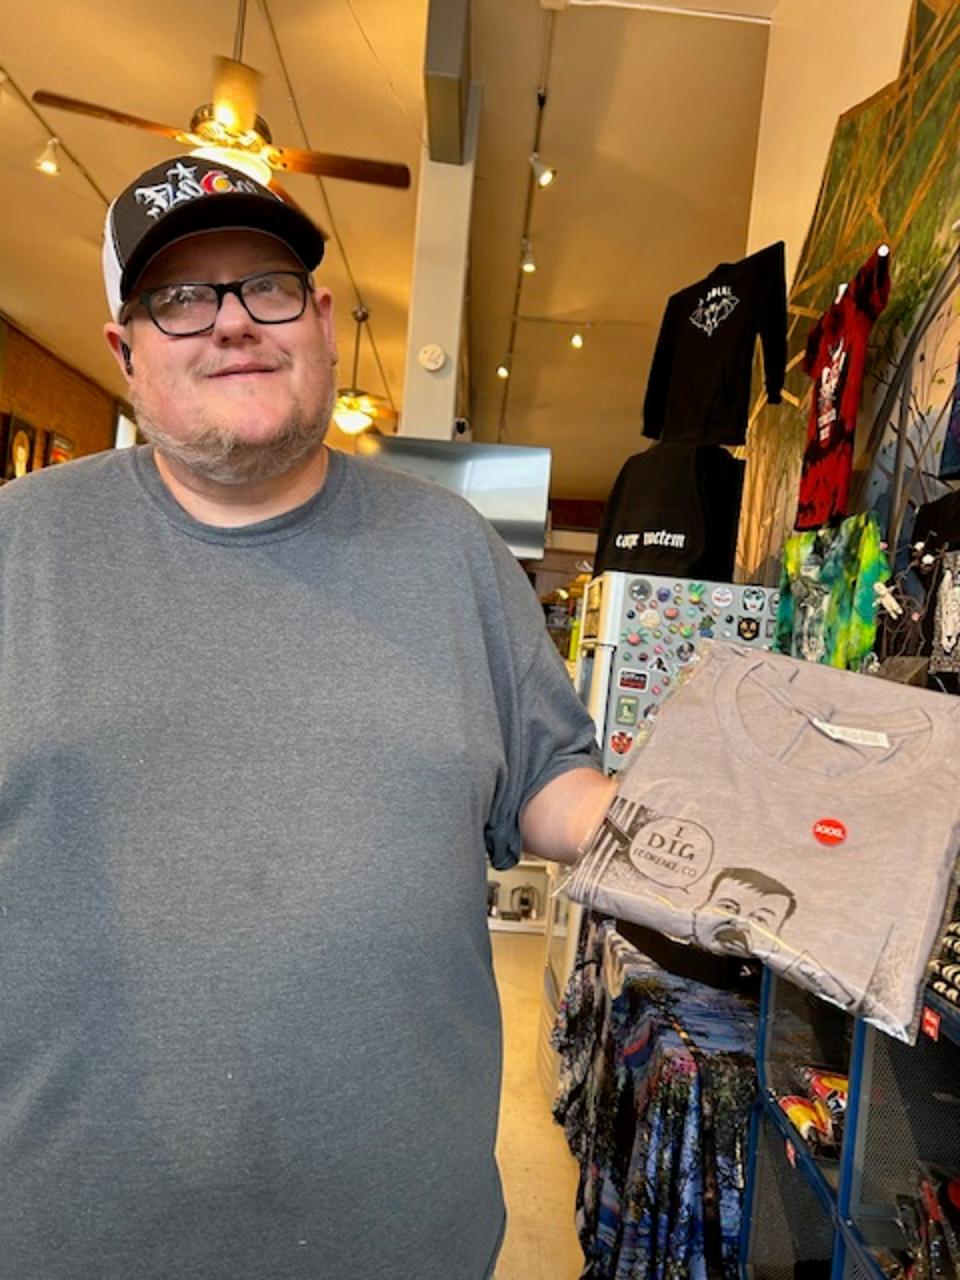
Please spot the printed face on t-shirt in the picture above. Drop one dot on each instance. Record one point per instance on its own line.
(743, 918)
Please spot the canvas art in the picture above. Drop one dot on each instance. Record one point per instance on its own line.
(891, 177)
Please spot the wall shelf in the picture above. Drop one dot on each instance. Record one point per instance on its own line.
(499, 925)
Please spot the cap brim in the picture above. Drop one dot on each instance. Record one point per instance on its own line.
(233, 211)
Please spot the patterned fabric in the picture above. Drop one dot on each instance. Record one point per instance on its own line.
(950, 457)
(657, 1081)
(827, 611)
(946, 627)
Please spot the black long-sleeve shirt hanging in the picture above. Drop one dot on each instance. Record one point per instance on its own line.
(699, 385)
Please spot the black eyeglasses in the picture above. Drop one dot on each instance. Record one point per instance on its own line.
(184, 310)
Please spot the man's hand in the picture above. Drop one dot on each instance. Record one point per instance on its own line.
(557, 822)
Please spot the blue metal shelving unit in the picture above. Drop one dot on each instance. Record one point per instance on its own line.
(901, 1109)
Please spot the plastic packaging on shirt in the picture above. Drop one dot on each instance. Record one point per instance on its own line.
(592, 883)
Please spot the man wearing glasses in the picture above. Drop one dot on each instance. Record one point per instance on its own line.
(289, 702)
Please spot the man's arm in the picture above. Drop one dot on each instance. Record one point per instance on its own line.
(556, 822)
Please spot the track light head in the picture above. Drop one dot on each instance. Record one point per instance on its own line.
(48, 161)
(543, 174)
(528, 263)
(503, 370)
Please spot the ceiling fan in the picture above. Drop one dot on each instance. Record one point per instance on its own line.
(230, 128)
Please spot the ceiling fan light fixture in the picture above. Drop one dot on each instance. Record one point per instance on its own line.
(543, 174)
(350, 412)
(48, 161)
(354, 410)
(235, 95)
(254, 166)
(225, 113)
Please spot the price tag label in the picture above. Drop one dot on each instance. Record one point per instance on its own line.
(930, 1023)
(791, 1151)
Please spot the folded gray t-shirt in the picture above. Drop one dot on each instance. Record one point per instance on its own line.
(796, 813)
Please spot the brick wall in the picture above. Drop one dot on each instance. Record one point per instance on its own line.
(53, 397)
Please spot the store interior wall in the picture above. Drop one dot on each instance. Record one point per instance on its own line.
(823, 58)
(53, 397)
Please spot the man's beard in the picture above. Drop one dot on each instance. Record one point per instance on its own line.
(215, 454)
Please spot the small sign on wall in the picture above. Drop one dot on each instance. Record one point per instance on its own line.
(59, 449)
(24, 447)
(18, 451)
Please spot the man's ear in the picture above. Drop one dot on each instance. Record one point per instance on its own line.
(116, 336)
(323, 305)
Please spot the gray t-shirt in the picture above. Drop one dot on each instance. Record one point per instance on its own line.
(248, 1023)
(793, 812)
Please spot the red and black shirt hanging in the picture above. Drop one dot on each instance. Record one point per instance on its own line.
(836, 358)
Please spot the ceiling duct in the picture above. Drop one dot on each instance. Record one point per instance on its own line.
(693, 9)
(446, 76)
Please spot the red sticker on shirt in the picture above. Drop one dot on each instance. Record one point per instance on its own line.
(830, 831)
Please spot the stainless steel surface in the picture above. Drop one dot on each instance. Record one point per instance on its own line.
(508, 484)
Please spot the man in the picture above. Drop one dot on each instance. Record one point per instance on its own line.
(284, 703)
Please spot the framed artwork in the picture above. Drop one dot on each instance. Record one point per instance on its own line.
(18, 454)
(59, 449)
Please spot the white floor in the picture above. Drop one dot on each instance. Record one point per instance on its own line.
(539, 1174)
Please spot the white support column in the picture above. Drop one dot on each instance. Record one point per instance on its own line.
(439, 283)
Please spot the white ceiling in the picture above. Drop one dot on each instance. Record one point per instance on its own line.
(651, 119)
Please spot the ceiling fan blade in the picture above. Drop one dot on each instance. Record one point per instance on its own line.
(45, 99)
(352, 168)
(235, 89)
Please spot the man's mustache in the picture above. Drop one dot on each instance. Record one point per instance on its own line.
(729, 935)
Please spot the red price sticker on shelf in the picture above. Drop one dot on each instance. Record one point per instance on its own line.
(930, 1023)
(791, 1151)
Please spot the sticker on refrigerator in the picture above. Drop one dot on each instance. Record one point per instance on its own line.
(621, 742)
(748, 629)
(721, 597)
(630, 679)
(753, 599)
(626, 712)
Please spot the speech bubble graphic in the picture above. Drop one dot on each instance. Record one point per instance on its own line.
(673, 852)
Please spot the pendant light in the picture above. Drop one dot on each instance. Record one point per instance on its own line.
(353, 411)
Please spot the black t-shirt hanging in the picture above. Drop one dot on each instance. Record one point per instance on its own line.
(699, 385)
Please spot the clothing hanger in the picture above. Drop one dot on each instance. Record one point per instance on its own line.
(883, 251)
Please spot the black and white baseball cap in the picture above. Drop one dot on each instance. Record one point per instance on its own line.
(183, 196)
